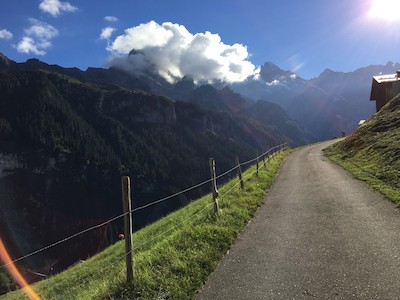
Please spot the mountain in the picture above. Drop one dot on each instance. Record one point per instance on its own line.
(333, 102)
(183, 90)
(303, 101)
(351, 92)
(66, 137)
(264, 121)
(110, 76)
(5, 63)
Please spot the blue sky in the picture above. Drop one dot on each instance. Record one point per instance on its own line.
(305, 36)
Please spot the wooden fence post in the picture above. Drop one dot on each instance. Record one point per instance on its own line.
(257, 163)
(239, 171)
(214, 190)
(264, 159)
(127, 205)
(267, 155)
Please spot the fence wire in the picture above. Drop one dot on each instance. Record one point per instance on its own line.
(281, 146)
(158, 236)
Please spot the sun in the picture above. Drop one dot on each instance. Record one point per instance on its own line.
(388, 10)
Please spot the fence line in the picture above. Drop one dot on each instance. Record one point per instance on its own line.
(175, 226)
(209, 205)
(114, 263)
(93, 275)
(203, 209)
(64, 240)
(263, 154)
(238, 183)
(135, 209)
(225, 173)
(171, 196)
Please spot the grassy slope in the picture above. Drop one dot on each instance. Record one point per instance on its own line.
(372, 152)
(174, 256)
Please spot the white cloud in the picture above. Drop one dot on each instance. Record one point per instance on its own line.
(175, 52)
(41, 30)
(273, 82)
(29, 45)
(106, 33)
(5, 34)
(140, 37)
(37, 38)
(111, 19)
(56, 7)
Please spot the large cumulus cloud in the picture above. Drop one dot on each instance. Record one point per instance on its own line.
(175, 52)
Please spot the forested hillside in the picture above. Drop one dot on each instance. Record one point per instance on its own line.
(71, 141)
(65, 140)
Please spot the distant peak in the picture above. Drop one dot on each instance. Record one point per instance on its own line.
(2, 56)
(135, 52)
(33, 61)
(271, 73)
(327, 71)
(391, 64)
(270, 64)
(4, 60)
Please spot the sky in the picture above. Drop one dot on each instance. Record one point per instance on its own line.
(208, 39)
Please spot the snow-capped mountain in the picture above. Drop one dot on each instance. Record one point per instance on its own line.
(333, 102)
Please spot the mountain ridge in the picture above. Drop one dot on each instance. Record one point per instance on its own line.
(65, 141)
(64, 129)
(335, 100)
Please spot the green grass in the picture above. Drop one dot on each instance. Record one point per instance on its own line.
(365, 168)
(174, 256)
(372, 152)
(369, 168)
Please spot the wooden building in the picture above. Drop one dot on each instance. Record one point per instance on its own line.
(384, 88)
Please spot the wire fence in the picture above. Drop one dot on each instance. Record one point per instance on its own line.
(93, 275)
(268, 153)
(113, 264)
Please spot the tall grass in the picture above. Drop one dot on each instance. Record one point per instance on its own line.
(172, 257)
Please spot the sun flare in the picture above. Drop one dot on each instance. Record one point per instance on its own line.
(15, 273)
(388, 10)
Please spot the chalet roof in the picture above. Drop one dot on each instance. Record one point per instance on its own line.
(387, 77)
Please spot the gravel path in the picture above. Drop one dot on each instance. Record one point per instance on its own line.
(321, 234)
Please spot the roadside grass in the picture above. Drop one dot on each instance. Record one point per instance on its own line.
(174, 256)
(368, 167)
(372, 152)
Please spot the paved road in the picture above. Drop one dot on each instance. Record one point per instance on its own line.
(320, 235)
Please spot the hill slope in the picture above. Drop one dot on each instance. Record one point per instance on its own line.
(66, 137)
(174, 256)
(64, 144)
(372, 152)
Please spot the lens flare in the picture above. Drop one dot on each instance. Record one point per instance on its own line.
(17, 276)
(385, 9)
